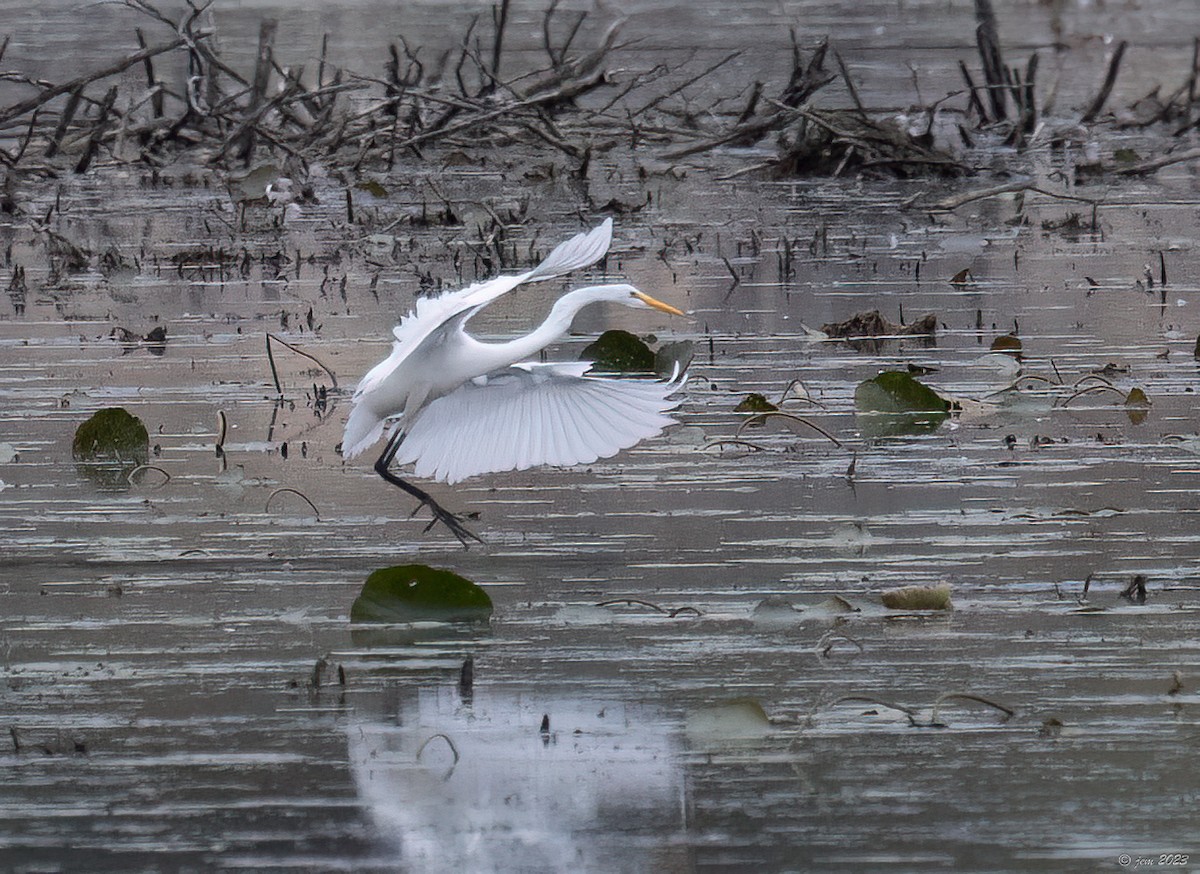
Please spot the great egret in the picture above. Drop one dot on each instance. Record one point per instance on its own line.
(466, 407)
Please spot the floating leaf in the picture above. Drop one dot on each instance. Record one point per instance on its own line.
(739, 720)
(618, 351)
(416, 592)
(371, 187)
(109, 445)
(894, 403)
(670, 356)
(917, 598)
(1007, 344)
(1126, 156)
(962, 277)
(755, 403)
(1137, 406)
(252, 186)
(775, 610)
(834, 605)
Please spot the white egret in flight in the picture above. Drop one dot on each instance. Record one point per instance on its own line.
(465, 407)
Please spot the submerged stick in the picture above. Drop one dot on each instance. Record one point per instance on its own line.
(967, 696)
(144, 467)
(300, 494)
(1158, 163)
(790, 417)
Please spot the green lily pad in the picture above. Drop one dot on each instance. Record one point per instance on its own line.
(727, 722)
(755, 403)
(252, 185)
(917, 598)
(893, 403)
(416, 592)
(1137, 405)
(618, 351)
(1007, 343)
(371, 187)
(109, 445)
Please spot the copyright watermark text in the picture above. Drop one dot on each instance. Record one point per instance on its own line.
(1162, 859)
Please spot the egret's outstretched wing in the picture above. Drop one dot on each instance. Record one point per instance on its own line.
(430, 313)
(534, 414)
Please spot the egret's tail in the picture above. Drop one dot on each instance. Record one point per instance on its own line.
(363, 428)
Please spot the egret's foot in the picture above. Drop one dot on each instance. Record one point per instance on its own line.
(453, 521)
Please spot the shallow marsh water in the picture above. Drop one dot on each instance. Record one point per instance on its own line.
(173, 657)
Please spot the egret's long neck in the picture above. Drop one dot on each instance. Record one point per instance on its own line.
(557, 323)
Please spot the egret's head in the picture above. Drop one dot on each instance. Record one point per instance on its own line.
(576, 300)
(631, 297)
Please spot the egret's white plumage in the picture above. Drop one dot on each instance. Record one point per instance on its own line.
(533, 414)
(467, 407)
(395, 383)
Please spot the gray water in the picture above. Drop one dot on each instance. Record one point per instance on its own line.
(182, 685)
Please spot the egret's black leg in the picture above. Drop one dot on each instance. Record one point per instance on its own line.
(440, 514)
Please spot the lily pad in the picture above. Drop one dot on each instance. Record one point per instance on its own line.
(618, 351)
(740, 720)
(109, 445)
(371, 187)
(755, 403)
(1007, 343)
(917, 598)
(894, 403)
(252, 186)
(416, 592)
(670, 357)
(1137, 405)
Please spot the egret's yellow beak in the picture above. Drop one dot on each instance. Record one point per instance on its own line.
(657, 304)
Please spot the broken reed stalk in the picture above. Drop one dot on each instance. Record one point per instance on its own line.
(98, 131)
(64, 121)
(262, 77)
(156, 101)
(1110, 78)
(310, 357)
(973, 93)
(222, 430)
(858, 104)
(987, 38)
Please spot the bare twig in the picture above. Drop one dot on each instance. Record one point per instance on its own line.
(18, 109)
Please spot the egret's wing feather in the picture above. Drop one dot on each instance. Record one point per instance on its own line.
(429, 313)
(532, 415)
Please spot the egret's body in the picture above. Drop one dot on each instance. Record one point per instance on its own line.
(466, 407)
